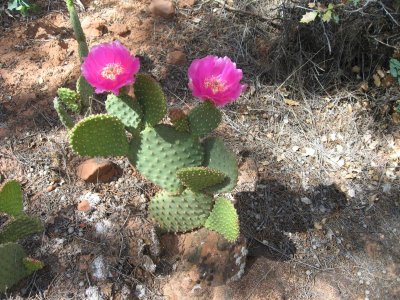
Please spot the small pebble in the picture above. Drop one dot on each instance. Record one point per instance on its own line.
(81, 283)
(70, 230)
(308, 272)
(366, 292)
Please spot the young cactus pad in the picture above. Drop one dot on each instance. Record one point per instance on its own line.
(126, 109)
(70, 98)
(99, 135)
(85, 91)
(161, 151)
(19, 228)
(199, 178)
(224, 219)
(180, 213)
(204, 118)
(218, 157)
(151, 97)
(12, 267)
(63, 115)
(11, 198)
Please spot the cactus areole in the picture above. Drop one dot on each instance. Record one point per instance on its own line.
(189, 167)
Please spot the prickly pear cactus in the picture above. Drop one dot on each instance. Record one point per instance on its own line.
(218, 157)
(199, 178)
(12, 268)
(70, 98)
(14, 265)
(99, 135)
(161, 151)
(151, 97)
(224, 219)
(19, 227)
(11, 198)
(180, 213)
(204, 118)
(126, 109)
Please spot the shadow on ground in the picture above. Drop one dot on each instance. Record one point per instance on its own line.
(275, 210)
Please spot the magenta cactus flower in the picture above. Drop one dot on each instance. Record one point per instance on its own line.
(109, 67)
(215, 79)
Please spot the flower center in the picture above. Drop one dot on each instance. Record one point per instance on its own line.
(111, 71)
(215, 84)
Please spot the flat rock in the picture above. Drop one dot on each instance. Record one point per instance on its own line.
(97, 170)
(207, 262)
(162, 8)
(176, 57)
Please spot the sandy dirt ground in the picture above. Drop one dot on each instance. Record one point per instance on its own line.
(322, 218)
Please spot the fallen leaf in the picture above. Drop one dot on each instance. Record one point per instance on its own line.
(327, 16)
(377, 80)
(309, 17)
(356, 69)
(291, 102)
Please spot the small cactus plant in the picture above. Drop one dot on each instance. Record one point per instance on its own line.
(14, 263)
(189, 168)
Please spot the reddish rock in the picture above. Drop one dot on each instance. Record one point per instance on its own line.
(176, 57)
(97, 170)
(84, 206)
(162, 8)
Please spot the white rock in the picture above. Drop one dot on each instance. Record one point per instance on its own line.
(351, 193)
(93, 293)
(140, 291)
(99, 269)
(306, 200)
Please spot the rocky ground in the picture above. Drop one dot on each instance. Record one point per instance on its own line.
(318, 195)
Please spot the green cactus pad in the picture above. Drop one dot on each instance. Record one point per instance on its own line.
(199, 178)
(218, 157)
(180, 213)
(99, 135)
(63, 115)
(12, 268)
(11, 198)
(19, 228)
(151, 97)
(204, 118)
(70, 98)
(32, 265)
(161, 151)
(85, 91)
(126, 109)
(224, 219)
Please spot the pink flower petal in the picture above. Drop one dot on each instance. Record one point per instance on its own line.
(109, 67)
(216, 79)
